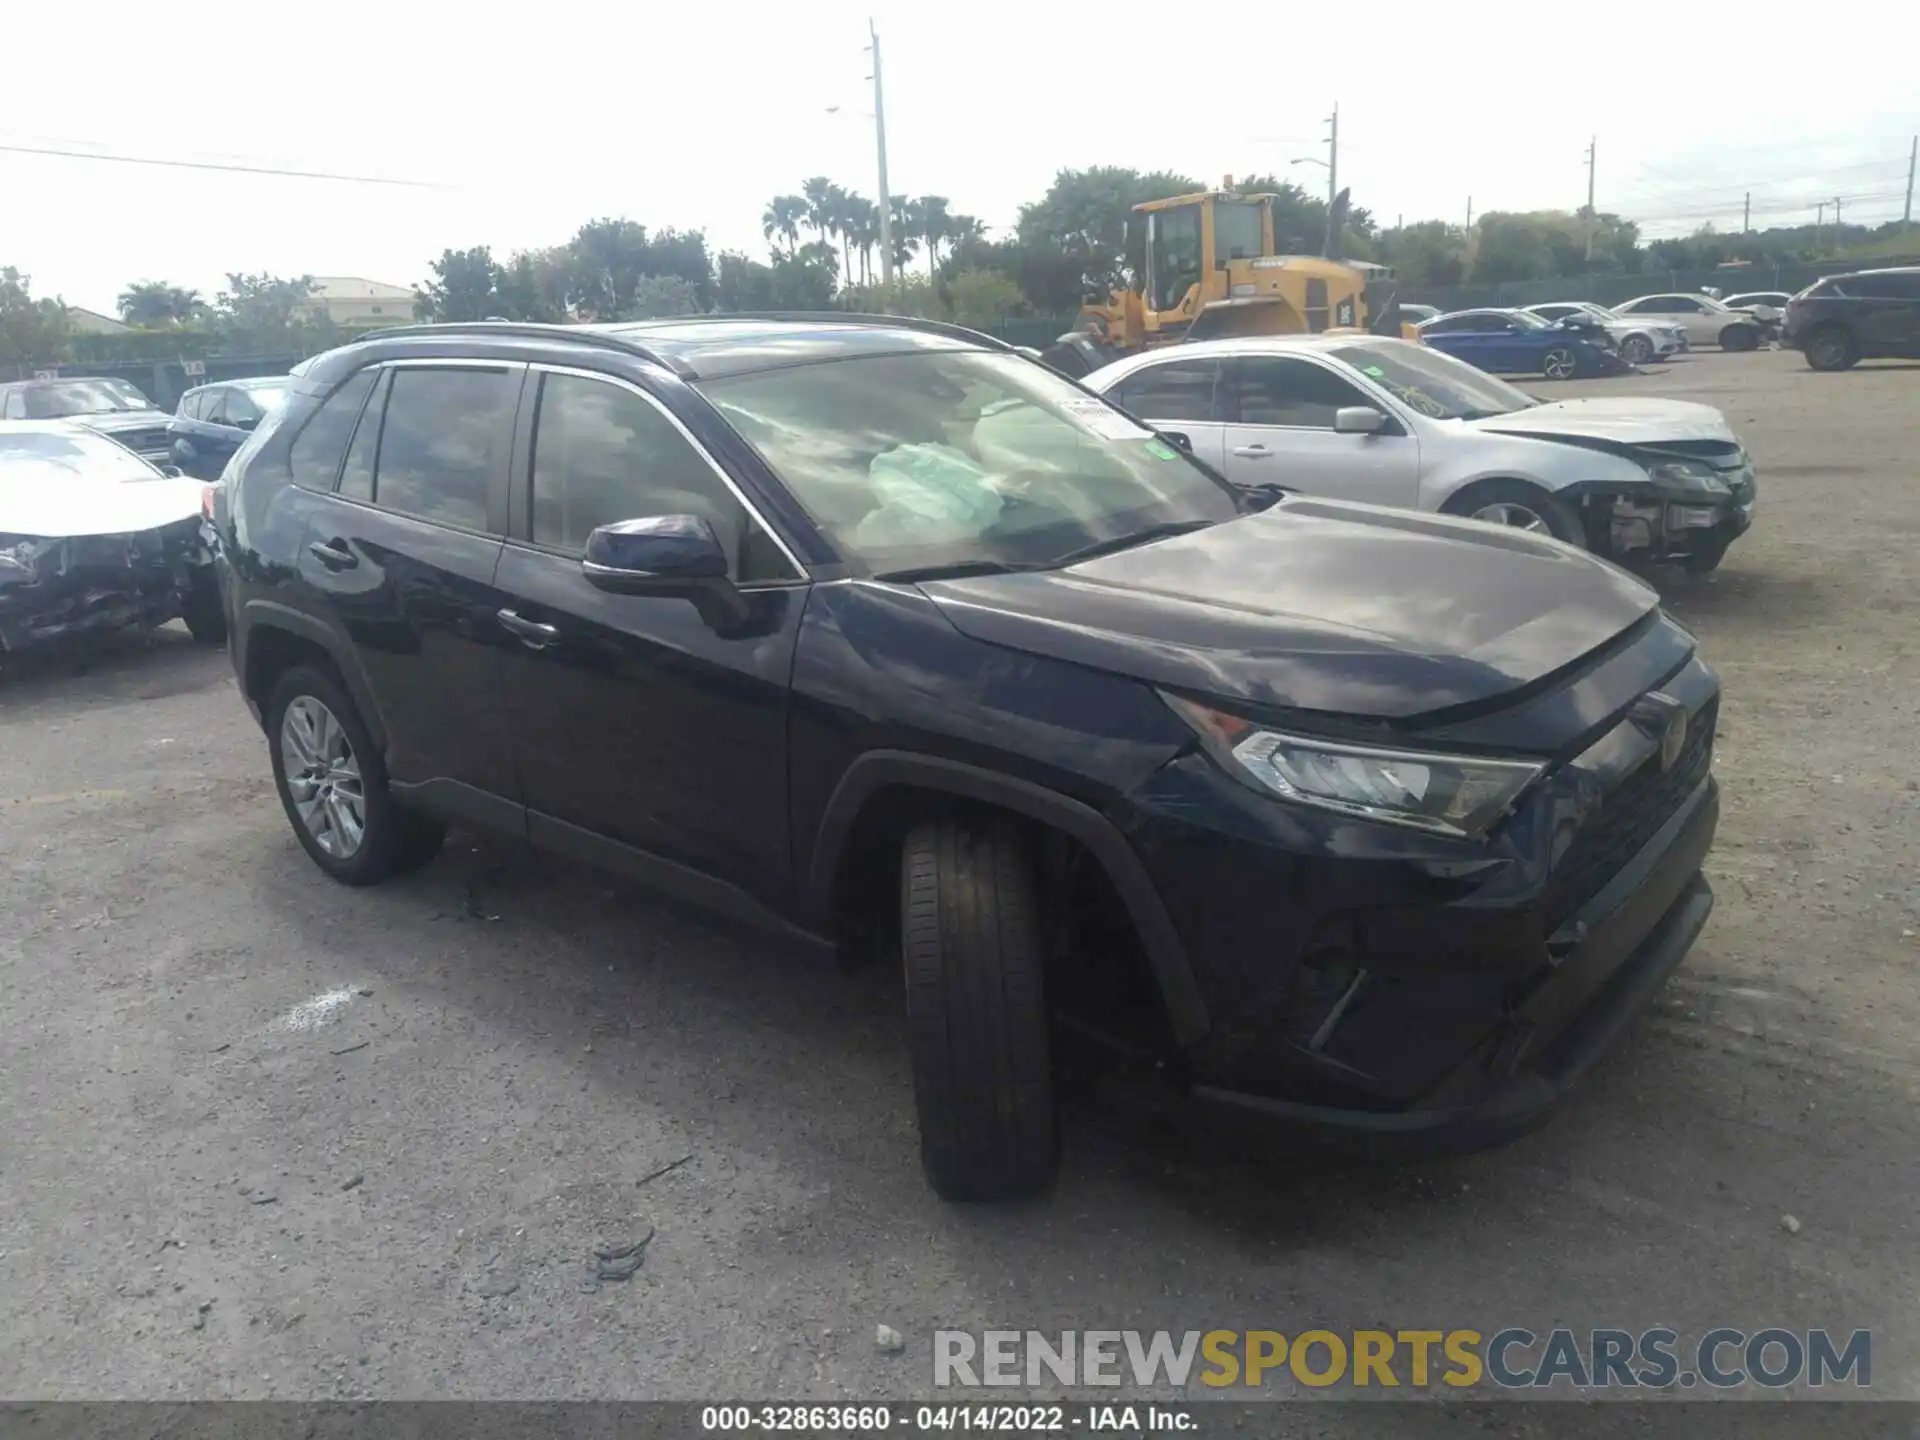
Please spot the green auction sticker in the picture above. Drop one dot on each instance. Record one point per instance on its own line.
(1373, 370)
(1160, 450)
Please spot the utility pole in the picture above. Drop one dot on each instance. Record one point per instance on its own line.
(1913, 154)
(1837, 242)
(1593, 220)
(1333, 172)
(1746, 215)
(880, 143)
(1469, 214)
(1819, 223)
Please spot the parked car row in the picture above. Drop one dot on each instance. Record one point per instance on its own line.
(883, 636)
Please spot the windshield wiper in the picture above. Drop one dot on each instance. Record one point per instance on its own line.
(1126, 542)
(952, 570)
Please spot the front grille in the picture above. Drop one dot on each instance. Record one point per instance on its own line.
(1627, 819)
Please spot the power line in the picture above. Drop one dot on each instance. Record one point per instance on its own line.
(212, 165)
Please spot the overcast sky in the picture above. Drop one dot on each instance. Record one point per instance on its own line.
(694, 116)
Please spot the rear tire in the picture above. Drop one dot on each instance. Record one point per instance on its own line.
(976, 1010)
(392, 840)
(1520, 504)
(1739, 337)
(1832, 347)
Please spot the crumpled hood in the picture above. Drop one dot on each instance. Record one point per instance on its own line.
(1317, 605)
(117, 422)
(1622, 420)
(50, 501)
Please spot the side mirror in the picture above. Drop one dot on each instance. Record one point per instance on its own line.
(657, 555)
(1358, 420)
(173, 472)
(252, 422)
(1179, 439)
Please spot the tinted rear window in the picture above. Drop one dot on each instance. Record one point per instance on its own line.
(316, 452)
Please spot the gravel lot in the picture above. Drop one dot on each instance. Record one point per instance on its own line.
(264, 1136)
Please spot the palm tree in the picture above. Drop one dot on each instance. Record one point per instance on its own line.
(930, 214)
(864, 223)
(818, 193)
(782, 219)
(905, 230)
(154, 304)
(840, 225)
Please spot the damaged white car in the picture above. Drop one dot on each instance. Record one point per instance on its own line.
(93, 537)
(1364, 417)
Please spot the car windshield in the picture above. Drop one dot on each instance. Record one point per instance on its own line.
(1431, 382)
(83, 397)
(267, 397)
(965, 459)
(41, 455)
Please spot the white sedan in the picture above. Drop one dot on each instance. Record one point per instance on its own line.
(1638, 340)
(1705, 319)
(1389, 422)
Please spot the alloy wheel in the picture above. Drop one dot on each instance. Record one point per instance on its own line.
(1559, 364)
(323, 777)
(1505, 512)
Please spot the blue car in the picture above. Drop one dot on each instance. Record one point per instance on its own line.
(1514, 342)
(213, 421)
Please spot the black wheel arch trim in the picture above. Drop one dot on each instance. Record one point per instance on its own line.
(260, 614)
(878, 769)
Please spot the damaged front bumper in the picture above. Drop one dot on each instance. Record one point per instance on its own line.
(55, 588)
(1661, 524)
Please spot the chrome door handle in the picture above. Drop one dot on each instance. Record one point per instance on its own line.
(529, 632)
(1252, 452)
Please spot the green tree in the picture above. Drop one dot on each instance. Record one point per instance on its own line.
(606, 259)
(272, 315)
(658, 296)
(1087, 217)
(982, 297)
(790, 283)
(466, 285)
(900, 219)
(818, 193)
(31, 331)
(533, 285)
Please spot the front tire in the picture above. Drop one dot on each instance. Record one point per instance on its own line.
(200, 608)
(1832, 347)
(1636, 350)
(976, 1010)
(1705, 560)
(1739, 337)
(332, 781)
(1559, 363)
(1520, 504)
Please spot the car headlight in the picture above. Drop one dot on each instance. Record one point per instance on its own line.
(1688, 477)
(1447, 794)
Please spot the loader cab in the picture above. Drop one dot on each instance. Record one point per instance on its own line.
(1191, 240)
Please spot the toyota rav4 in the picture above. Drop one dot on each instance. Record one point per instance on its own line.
(882, 635)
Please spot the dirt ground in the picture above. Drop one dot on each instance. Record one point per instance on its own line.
(262, 1136)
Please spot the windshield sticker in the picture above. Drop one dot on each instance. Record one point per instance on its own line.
(1105, 421)
(1374, 370)
(1160, 450)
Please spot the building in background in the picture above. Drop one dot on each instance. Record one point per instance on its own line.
(92, 322)
(354, 303)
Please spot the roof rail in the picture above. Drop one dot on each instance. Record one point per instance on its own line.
(843, 317)
(577, 334)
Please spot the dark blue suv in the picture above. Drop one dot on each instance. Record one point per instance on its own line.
(884, 636)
